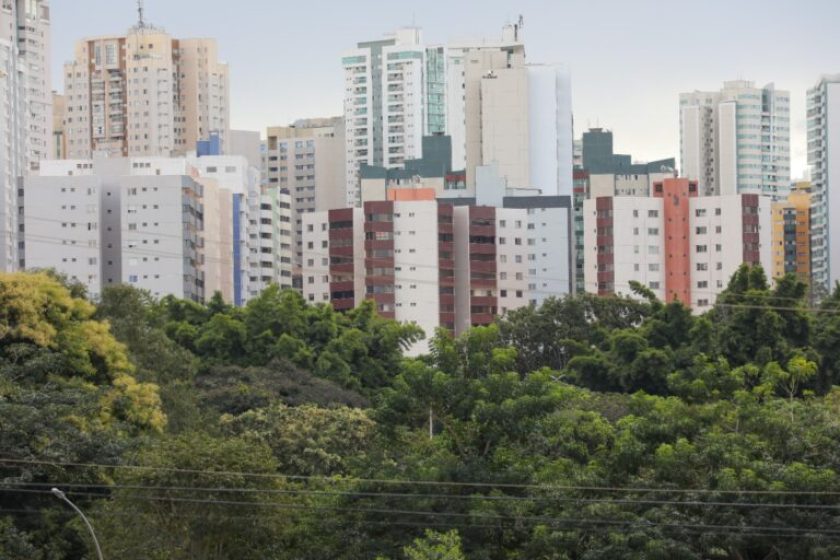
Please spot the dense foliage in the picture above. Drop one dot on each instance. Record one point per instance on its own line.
(584, 429)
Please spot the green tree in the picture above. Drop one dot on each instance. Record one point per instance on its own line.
(435, 546)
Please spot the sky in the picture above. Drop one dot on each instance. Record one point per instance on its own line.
(629, 59)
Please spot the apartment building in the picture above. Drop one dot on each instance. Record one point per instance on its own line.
(676, 243)
(188, 227)
(437, 261)
(529, 149)
(612, 174)
(466, 63)
(397, 253)
(34, 41)
(433, 172)
(103, 222)
(823, 113)
(238, 183)
(13, 133)
(144, 93)
(261, 222)
(791, 251)
(64, 223)
(307, 160)
(736, 140)
(384, 103)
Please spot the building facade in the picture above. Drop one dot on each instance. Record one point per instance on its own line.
(736, 140)
(677, 244)
(385, 103)
(792, 234)
(173, 226)
(612, 174)
(144, 93)
(135, 221)
(307, 160)
(823, 113)
(13, 133)
(438, 261)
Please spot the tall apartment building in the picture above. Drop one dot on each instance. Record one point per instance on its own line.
(144, 93)
(518, 117)
(823, 108)
(236, 176)
(427, 249)
(14, 135)
(307, 160)
(792, 234)
(445, 263)
(676, 243)
(182, 226)
(466, 63)
(736, 140)
(138, 221)
(497, 109)
(34, 44)
(384, 103)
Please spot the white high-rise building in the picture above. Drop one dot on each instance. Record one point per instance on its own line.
(824, 160)
(384, 104)
(144, 93)
(736, 140)
(182, 226)
(13, 137)
(25, 110)
(466, 62)
(34, 45)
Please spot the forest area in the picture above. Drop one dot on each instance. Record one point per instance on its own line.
(588, 428)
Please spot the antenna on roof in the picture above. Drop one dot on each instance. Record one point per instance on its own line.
(140, 22)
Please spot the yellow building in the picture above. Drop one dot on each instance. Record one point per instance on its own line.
(792, 233)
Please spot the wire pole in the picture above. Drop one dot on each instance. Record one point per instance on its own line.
(61, 496)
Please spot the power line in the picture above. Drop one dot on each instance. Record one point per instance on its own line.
(549, 520)
(28, 488)
(745, 531)
(337, 480)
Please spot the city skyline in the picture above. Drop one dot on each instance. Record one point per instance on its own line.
(698, 56)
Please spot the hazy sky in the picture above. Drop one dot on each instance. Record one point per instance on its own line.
(629, 59)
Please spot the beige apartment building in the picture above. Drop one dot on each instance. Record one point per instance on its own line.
(307, 160)
(144, 93)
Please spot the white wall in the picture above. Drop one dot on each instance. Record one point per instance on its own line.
(511, 259)
(416, 288)
(316, 260)
(62, 228)
(550, 126)
(728, 148)
(832, 180)
(548, 271)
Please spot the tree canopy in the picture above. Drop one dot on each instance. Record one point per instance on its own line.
(587, 428)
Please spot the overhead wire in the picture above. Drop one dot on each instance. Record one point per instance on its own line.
(481, 516)
(414, 482)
